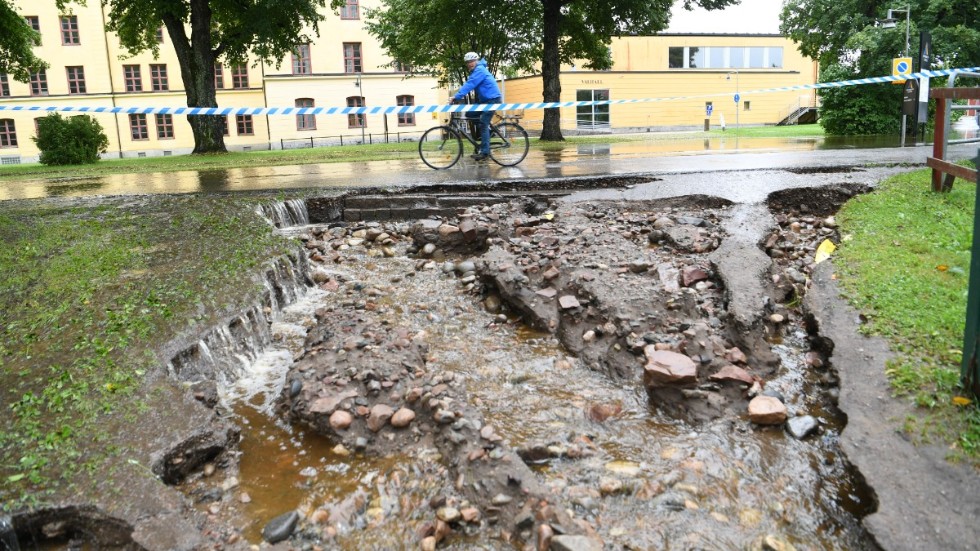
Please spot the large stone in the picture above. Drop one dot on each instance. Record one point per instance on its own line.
(341, 419)
(402, 418)
(732, 373)
(281, 527)
(801, 427)
(767, 410)
(665, 367)
(379, 417)
(692, 274)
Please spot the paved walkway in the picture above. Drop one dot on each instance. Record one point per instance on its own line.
(573, 161)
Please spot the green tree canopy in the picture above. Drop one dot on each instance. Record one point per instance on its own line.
(517, 34)
(206, 31)
(17, 41)
(844, 37)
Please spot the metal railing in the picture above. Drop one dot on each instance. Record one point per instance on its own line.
(366, 138)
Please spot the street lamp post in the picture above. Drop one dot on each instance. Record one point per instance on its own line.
(363, 121)
(889, 23)
(738, 98)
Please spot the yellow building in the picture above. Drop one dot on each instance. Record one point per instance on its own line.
(88, 68)
(680, 76)
(684, 77)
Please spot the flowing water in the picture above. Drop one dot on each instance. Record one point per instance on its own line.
(642, 478)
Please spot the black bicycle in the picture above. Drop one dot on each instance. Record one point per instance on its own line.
(442, 146)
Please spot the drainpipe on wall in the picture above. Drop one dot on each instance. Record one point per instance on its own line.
(265, 103)
(112, 91)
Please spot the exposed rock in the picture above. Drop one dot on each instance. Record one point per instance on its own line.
(802, 426)
(665, 367)
(767, 410)
(281, 527)
(402, 418)
(732, 373)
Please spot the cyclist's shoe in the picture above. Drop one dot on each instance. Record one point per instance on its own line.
(480, 157)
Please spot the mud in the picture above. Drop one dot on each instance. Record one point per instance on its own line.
(620, 286)
(684, 302)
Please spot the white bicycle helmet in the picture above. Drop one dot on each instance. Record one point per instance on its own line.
(471, 56)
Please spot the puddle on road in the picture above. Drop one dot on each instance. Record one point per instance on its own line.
(722, 485)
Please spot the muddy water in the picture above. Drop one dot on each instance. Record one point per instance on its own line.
(645, 481)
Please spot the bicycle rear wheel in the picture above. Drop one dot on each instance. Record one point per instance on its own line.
(440, 147)
(508, 144)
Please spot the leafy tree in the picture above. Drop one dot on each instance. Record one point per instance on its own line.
(429, 33)
(17, 40)
(843, 36)
(70, 141)
(205, 31)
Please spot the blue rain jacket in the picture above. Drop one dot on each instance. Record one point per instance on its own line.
(482, 81)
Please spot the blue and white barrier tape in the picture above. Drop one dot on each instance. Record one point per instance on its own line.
(404, 109)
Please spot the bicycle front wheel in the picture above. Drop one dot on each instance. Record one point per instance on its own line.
(508, 144)
(440, 147)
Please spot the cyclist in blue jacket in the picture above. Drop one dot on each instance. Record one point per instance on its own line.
(487, 91)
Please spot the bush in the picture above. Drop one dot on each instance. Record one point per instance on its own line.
(70, 141)
(858, 110)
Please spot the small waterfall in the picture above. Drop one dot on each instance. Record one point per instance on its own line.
(284, 214)
(223, 353)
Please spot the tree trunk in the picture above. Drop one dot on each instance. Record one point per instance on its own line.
(551, 70)
(196, 58)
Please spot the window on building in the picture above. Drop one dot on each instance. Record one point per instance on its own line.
(160, 35)
(224, 126)
(244, 125)
(736, 58)
(158, 77)
(400, 67)
(695, 57)
(137, 127)
(39, 83)
(352, 57)
(76, 79)
(747, 105)
(716, 57)
(405, 119)
(350, 10)
(133, 78)
(69, 30)
(165, 126)
(4, 86)
(301, 60)
(356, 121)
(35, 25)
(8, 133)
(219, 76)
(775, 58)
(730, 57)
(239, 76)
(592, 116)
(305, 122)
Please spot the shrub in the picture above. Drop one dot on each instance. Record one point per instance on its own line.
(70, 141)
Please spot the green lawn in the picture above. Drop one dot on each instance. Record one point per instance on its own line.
(904, 262)
(89, 292)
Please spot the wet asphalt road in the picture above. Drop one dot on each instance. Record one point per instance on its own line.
(582, 160)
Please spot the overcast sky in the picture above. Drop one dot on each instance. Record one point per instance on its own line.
(750, 16)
